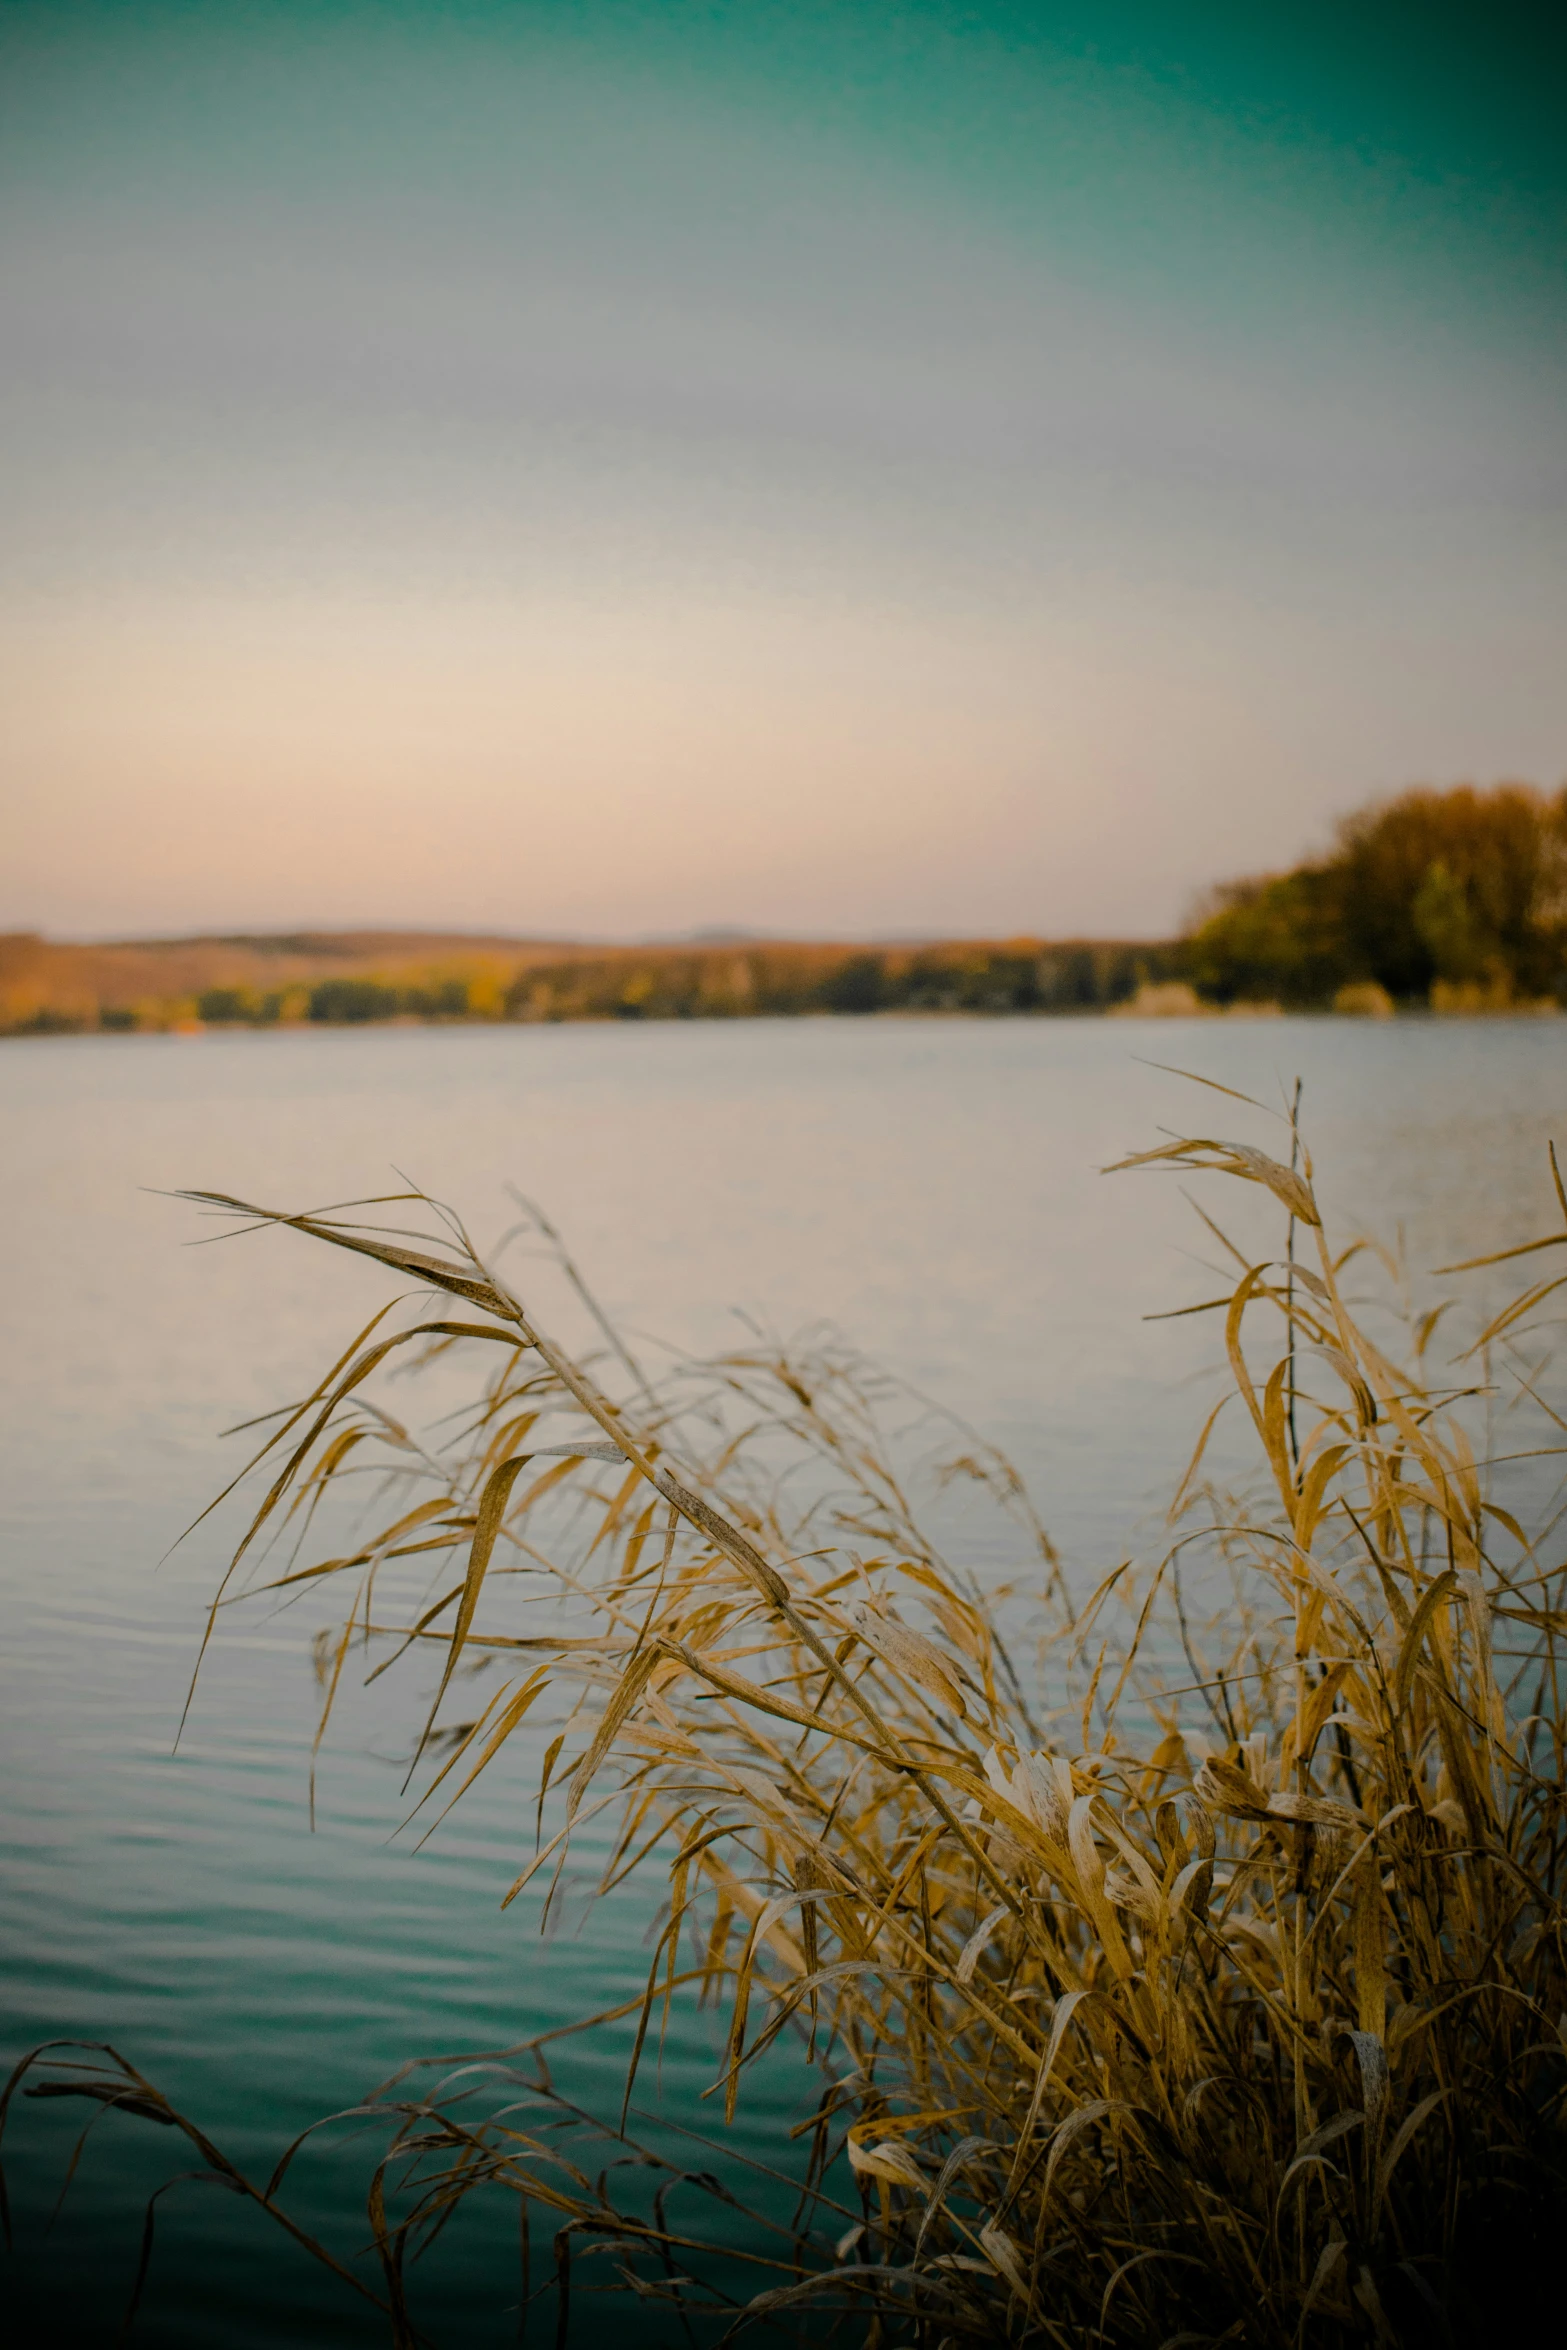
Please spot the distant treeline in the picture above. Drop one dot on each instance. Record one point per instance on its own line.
(728, 983)
(1455, 899)
(58, 990)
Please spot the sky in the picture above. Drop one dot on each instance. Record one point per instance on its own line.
(609, 470)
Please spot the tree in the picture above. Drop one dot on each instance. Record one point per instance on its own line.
(1278, 936)
(1463, 888)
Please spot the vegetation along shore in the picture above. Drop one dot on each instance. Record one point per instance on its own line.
(1449, 901)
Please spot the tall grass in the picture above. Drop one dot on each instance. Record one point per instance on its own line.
(1171, 1974)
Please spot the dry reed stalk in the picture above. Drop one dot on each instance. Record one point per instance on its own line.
(1253, 2034)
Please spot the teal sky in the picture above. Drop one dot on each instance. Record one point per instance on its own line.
(613, 469)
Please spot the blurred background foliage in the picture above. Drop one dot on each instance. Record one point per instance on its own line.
(1457, 899)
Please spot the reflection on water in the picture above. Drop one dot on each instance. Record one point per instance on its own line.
(929, 1186)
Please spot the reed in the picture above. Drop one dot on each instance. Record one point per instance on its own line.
(1170, 1976)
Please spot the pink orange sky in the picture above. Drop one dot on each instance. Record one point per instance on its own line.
(598, 471)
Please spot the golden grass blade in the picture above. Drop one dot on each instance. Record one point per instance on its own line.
(1192, 1077)
(1066, 2008)
(492, 1508)
(1232, 1158)
(969, 1956)
(1409, 1654)
(438, 1272)
(1370, 1950)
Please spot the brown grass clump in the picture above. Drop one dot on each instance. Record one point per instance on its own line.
(1166, 1983)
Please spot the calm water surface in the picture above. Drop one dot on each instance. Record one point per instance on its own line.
(930, 1187)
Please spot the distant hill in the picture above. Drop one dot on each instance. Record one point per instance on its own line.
(61, 985)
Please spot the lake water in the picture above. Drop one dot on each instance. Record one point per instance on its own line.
(931, 1187)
